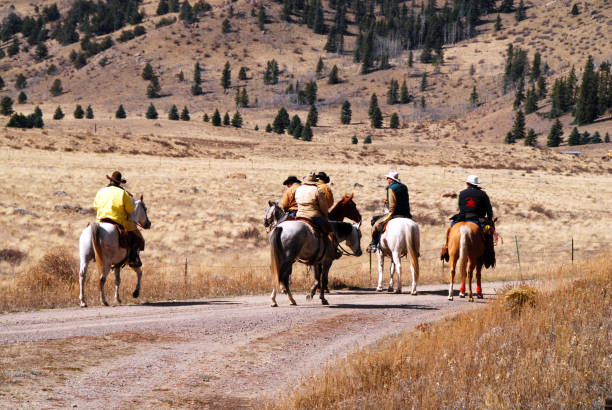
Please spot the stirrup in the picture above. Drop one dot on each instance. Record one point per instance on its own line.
(372, 248)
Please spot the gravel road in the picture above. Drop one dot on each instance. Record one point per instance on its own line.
(218, 353)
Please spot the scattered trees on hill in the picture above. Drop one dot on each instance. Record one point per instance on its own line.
(587, 105)
(154, 89)
(281, 121)
(310, 92)
(554, 136)
(33, 120)
(241, 98)
(405, 96)
(295, 127)
(186, 13)
(521, 13)
(345, 113)
(518, 129)
(151, 113)
(120, 113)
(515, 68)
(58, 114)
(56, 88)
(173, 114)
(393, 92)
(196, 88)
(531, 99)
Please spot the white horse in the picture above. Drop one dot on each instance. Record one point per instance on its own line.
(100, 241)
(401, 238)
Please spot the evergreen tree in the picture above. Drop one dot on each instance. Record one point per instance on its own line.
(345, 113)
(587, 104)
(216, 118)
(498, 23)
(518, 129)
(196, 89)
(59, 114)
(354, 140)
(574, 137)
(226, 119)
(531, 101)
(424, 82)
(237, 120)
(607, 137)
(6, 106)
(22, 98)
(585, 138)
(509, 138)
(120, 113)
(554, 136)
(541, 93)
(377, 119)
(575, 10)
(423, 102)
(41, 51)
(472, 70)
(392, 93)
(173, 5)
(226, 76)
(307, 132)
(535, 72)
(410, 59)
(521, 14)
(173, 114)
(474, 97)
(56, 87)
(394, 121)
(313, 116)
(256, 127)
(519, 97)
(261, 17)
(226, 26)
(319, 68)
(151, 113)
(78, 112)
(310, 91)
(20, 81)
(89, 114)
(268, 128)
(531, 140)
(147, 72)
(506, 6)
(405, 96)
(242, 75)
(367, 139)
(185, 114)
(205, 118)
(373, 105)
(162, 7)
(186, 13)
(1, 83)
(367, 52)
(271, 73)
(293, 125)
(333, 76)
(197, 73)
(153, 89)
(281, 121)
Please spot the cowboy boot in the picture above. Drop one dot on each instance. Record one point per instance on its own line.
(374, 243)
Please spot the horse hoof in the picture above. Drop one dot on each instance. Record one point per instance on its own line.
(105, 303)
(293, 303)
(274, 304)
(414, 293)
(390, 289)
(379, 289)
(462, 295)
(308, 297)
(470, 299)
(398, 291)
(479, 296)
(83, 304)
(450, 298)
(136, 294)
(324, 302)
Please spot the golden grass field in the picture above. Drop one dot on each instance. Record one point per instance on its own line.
(492, 358)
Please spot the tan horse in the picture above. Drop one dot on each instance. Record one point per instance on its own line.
(466, 247)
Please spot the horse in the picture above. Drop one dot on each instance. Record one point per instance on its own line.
(294, 240)
(401, 238)
(465, 246)
(100, 241)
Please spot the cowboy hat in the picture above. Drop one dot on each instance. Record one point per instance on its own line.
(310, 179)
(292, 179)
(323, 177)
(116, 178)
(393, 175)
(473, 180)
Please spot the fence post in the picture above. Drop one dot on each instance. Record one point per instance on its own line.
(518, 256)
(186, 268)
(572, 250)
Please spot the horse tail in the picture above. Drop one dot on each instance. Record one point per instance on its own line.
(95, 241)
(414, 249)
(276, 256)
(464, 243)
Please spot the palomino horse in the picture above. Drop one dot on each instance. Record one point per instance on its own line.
(465, 246)
(294, 240)
(401, 238)
(100, 241)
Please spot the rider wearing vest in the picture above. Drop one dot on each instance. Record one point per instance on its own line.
(313, 205)
(114, 205)
(397, 202)
(322, 181)
(287, 202)
(474, 206)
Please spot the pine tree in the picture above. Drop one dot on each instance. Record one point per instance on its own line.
(1, 83)
(186, 13)
(41, 51)
(376, 119)
(394, 121)
(37, 118)
(205, 118)
(162, 7)
(535, 72)
(271, 73)
(518, 129)
(6, 105)
(261, 17)
(216, 118)
(367, 52)
(474, 97)
(354, 140)
(237, 120)
(506, 6)
(120, 113)
(226, 26)
(226, 76)
(405, 96)
(575, 10)
(151, 113)
(373, 105)
(59, 114)
(531, 101)
(367, 139)
(281, 121)
(21, 82)
(607, 137)
(153, 89)
(242, 75)
(587, 104)
(147, 72)
(333, 76)
(392, 93)
(226, 119)
(196, 89)
(268, 128)
(319, 68)
(173, 5)
(574, 137)
(185, 114)
(423, 102)
(56, 88)
(307, 132)
(345, 113)
(295, 126)
(498, 23)
(22, 98)
(256, 127)
(310, 91)
(410, 59)
(509, 138)
(78, 112)
(554, 136)
(313, 116)
(89, 114)
(173, 114)
(585, 138)
(424, 82)
(531, 140)
(521, 14)
(519, 97)
(541, 93)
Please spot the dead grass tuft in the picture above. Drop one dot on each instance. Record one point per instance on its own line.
(252, 232)
(12, 256)
(517, 298)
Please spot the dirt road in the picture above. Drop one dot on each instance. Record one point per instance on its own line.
(217, 353)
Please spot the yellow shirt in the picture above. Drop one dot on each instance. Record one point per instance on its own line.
(329, 197)
(114, 203)
(287, 202)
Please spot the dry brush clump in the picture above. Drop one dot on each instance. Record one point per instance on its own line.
(547, 348)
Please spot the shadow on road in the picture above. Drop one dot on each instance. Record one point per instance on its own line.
(190, 303)
(381, 306)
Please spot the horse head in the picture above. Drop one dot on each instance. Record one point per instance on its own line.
(354, 239)
(350, 209)
(139, 216)
(272, 216)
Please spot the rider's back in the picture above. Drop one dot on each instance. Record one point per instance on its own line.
(115, 204)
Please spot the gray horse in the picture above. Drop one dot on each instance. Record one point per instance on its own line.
(100, 241)
(293, 241)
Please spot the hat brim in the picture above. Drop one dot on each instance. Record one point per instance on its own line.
(291, 181)
(123, 181)
(394, 179)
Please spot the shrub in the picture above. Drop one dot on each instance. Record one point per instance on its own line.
(120, 113)
(22, 98)
(89, 113)
(354, 139)
(21, 82)
(78, 112)
(58, 114)
(6, 105)
(56, 88)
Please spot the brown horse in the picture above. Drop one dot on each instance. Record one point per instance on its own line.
(466, 246)
(345, 208)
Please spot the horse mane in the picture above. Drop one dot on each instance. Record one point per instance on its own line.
(344, 228)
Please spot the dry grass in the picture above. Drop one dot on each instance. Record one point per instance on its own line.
(553, 352)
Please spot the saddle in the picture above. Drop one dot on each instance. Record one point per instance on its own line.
(313, 227)
(124, 235)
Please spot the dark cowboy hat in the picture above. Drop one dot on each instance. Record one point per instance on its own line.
(292, 179)
(116, 178)
(323, 177)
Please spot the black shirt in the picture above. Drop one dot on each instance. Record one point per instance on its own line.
(475, 203)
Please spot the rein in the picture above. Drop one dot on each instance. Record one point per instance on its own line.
(345, 252)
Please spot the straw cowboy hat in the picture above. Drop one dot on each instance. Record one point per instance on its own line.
(292, 179)
(473, 180)
(310, 179)
(393, 175)
(116, 178)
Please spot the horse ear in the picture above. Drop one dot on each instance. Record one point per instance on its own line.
(270, 203)
(351, 197)
(359, 225)
(140, 197)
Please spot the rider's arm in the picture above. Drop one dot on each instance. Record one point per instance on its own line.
(488, 208)
(128, 204)
(392, 202)
(285, 201)
(322, 203)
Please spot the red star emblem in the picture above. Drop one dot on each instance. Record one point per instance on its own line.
(470, 202)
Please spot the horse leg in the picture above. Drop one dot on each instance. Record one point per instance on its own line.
(453, 268)
(391, 273)
(478, 284)
(414, 269)
(286, 282)
(117, 270)
(470, 274)
(397, 261)
(462, 289)
(316, 273)
(136, 292)
(463, 271)
(273, 297)
(324, 272)
(381, 266)
(103, 274)
(82, 280)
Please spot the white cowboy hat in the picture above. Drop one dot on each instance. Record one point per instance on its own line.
(393, 175)
(473, 180)
(310, 179)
